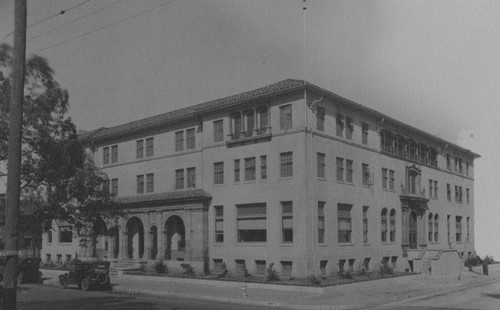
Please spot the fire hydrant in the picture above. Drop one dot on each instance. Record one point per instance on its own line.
(244, 289)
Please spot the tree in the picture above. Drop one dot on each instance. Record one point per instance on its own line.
(55, 171)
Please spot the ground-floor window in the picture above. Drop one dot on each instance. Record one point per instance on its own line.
(322, 267)
(240, 266)
(366, 263)
(218, 265)
(286, 268)
(251, 221)
(260, 267)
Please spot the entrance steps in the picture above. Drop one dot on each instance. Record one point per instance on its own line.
(118, 267)
(436, 262)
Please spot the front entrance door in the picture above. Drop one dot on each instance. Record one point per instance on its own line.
(413, 231)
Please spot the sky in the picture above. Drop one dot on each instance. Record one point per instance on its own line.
(432, 64)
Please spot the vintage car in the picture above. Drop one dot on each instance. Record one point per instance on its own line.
(27, 269)
(87, 275)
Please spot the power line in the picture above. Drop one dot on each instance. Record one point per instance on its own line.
(106, 26)
(74, 21)
(49, 17)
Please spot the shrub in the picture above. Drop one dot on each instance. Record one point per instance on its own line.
(271, 274)
(385, 269)
(314, 279)
(361, 272)
(473, 260)
(161, 267)
(224, 271)
(489, 259)
(246, 274)
(346, 274)
(188, 269)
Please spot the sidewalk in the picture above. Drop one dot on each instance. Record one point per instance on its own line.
(350, 296)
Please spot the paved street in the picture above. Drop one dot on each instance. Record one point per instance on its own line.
(479, 297)
(39, 297)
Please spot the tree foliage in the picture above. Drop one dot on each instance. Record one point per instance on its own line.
(55, 171)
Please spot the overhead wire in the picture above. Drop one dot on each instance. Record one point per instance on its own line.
(105, 26)
(62, 12)
(74, 21)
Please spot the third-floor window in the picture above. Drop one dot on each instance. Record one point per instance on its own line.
(248, 123)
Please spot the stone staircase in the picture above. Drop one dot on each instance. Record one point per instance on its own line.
(118, 267)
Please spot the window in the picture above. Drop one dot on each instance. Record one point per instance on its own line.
(219, 224)
(448, 225)
(65, 234)
(436, 228)
(460, 194)
(341, 265)
(179, 179)
(365, 224)
(149, 147)
(320, 118)
(249, 122)
(150, 182)
(384, 178)
(435, 189)
(179, 141)
(218, 131)
(364, 133)
(140, 149)
(349, 128)
(237, 125)
(250, 169)
(366, 175)
(50, 235)
(467, 190)
(366, 263)
(286, 117)
(190, 139)
(263, 167)
(339, 125)
(348, 176)
(240, 266)
(448, 162)
(140, 184)
(431, 188)
(218, 265)
(467, 166)
(286, 268)
(344, 223)
(114, 187)
(114, 154)
(321, 165)
(460, 166)
(448, 192)
(260, 267)
(219, 173)
(105, 156)
(384, 225)
(236, 170)
(468, 229)
(263, 115)
(340, 169)
(391, 180)
(322, 267)
(458, 228)
(392, 226)
(251, 222)
(286, 160)
(287, 221)
(431, 226)
(321, 222)
(191, 177)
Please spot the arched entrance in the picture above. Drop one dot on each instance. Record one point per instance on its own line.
(101, 246)
(135, 234)
(153, 233)
(413, 230)
(175, 238)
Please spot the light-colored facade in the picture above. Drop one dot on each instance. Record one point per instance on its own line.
(289, 174)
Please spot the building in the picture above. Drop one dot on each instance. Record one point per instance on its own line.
(290, 174)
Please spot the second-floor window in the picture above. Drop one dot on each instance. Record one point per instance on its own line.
(321, 165)
(150, 183)
(340, 125)
(149, 147)
(218, 131)
(263, 167)
(286, 117)
(179, 179)
(219, 173)
(190, 139)
(286, 163)
(344, 223)
(320, 119)
(105, 155)
(114, 154)
(139, 149)
(179, 141)
(250, 169)
(140, 184)
(191, 177)
(114, 187)
(366, 174)
(364, 133)
(287, 221)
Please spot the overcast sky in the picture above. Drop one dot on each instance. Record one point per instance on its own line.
(432, 64)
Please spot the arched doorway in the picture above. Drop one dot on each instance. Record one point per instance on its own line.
(101, 246)
(413, 230)
(175, 238)
(153, 233)
(135, 242)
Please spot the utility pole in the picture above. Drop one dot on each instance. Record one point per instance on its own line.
(11, 234)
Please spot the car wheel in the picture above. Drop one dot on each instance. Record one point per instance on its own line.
(63, 282)
(85, 284)
(20, 278)
(102, 278)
